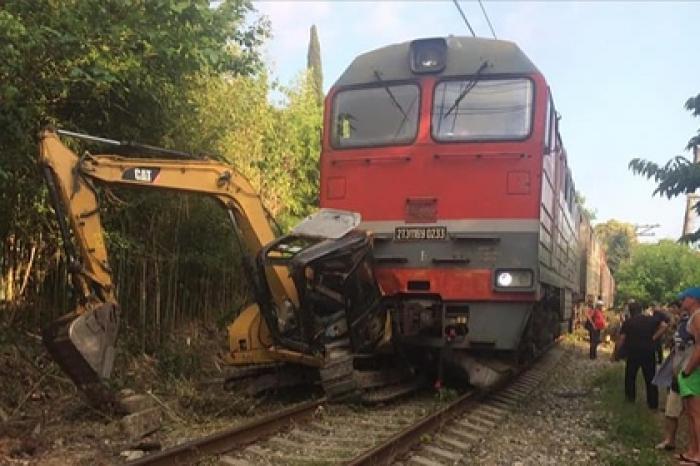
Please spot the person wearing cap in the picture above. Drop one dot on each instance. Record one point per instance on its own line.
(689, 378)
(637, 339)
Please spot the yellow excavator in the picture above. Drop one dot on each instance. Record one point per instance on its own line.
(317, 310)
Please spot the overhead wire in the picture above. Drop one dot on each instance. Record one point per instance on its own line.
(488, 21)
(483, 10)
(464, 17)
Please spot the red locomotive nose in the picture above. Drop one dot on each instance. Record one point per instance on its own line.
(456, 164)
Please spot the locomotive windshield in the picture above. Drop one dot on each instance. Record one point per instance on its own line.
(387, 114)
(489, 109)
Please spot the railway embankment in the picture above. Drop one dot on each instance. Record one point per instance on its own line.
(44, 421)
(578, 416)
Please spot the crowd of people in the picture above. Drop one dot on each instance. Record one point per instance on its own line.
(641, 341)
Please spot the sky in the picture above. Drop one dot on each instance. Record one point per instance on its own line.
(620, 73)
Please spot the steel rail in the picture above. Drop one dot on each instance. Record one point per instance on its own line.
(394, 447)
(401, 443)
(229, 439)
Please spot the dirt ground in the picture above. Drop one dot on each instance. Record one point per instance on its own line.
(46, 422)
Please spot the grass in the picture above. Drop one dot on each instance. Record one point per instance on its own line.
(632, 429)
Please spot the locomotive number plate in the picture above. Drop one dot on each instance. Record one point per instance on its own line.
(413, 233)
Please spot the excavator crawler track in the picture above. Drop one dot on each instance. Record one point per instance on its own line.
(342, 382)
(338, 373)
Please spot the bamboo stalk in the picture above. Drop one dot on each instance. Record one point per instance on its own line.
(142, 305)
(25, 279)
(156, 274)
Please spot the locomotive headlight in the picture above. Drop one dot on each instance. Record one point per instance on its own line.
(514, 278)
(428, 55)
(504, 279)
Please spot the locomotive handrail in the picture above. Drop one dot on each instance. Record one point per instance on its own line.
(450, 260)
(391, 259)
(369, 159)
(474, 237)
(499, 155)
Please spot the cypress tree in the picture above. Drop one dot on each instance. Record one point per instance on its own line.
(313, 63)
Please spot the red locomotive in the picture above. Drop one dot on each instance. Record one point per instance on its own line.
(449, 149)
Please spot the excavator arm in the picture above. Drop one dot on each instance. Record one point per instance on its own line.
(81, 342)
(319, 263)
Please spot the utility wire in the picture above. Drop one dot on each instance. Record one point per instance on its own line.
(464, 17)
(487, 19)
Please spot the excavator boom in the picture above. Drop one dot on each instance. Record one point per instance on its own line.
(307, 284)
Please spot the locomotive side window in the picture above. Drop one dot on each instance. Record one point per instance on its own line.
(468, 110)
(375, 116)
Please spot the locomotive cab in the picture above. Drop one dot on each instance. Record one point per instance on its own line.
(448, 148)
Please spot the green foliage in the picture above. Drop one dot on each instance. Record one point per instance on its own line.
(589, 212)
(679, 175)
(313, 64)
(693, 105)
(297, 138)
(657, 272)
(446, 395)
(618, 239)
(112, 68)
(176, 361)
(173, 73)
(276, 148)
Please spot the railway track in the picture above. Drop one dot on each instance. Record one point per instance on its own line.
(447, 436)
(422, 430)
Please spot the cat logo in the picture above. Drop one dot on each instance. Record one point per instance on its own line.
(142, 174)
(145, 175)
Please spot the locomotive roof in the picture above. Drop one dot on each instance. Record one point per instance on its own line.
(464, 57)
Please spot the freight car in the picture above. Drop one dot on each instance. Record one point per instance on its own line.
(596, 281)
(450, 150)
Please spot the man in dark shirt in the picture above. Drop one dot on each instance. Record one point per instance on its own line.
(638, 337)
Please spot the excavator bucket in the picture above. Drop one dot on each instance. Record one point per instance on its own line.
(83, 346)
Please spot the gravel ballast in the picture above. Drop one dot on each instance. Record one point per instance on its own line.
(561, 423)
